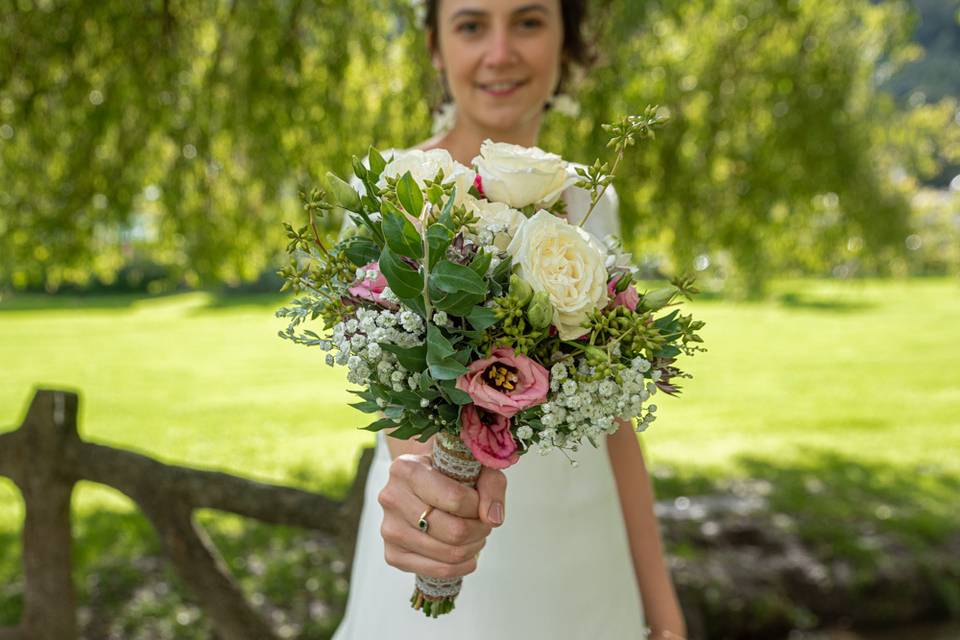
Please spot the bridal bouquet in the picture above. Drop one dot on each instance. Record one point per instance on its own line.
(466, 307)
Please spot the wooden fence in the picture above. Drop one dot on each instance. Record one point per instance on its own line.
(45, 457)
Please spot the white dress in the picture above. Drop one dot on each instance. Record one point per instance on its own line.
(558, 568)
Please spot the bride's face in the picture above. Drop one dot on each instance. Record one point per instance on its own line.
(501, 58)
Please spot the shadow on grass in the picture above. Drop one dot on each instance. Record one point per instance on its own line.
(884, 541)
(806, 302)
(126, 588)
(839, 502)
(845, 511)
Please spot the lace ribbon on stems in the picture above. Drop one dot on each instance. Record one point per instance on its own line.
(436, 596)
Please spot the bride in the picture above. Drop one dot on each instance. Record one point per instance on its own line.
(576, 552)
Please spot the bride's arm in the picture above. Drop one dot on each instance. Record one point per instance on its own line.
(661, 608)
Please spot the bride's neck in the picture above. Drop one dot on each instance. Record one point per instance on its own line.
(464, 139)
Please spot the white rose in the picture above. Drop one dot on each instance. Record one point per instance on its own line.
(496, 215)
(519, 176)
(566, 262)
(424, 165)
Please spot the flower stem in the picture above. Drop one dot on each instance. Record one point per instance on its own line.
(599, 194)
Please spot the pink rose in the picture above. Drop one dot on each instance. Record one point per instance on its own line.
(488, 437)
(478, 183)
(505, 383)
(628, 298)
(370, 288)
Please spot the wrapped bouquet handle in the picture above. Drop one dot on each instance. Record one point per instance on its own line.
(436, 596)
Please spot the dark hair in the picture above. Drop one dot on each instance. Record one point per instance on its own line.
(576, 50)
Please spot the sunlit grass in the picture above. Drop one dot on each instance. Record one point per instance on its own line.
(864, 369)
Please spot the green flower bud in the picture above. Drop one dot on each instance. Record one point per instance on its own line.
(520, 290)
(595, 355)
(540, 311)
(344, 194)
(658, 298)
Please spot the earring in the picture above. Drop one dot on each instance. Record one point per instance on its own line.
(444, 117)
(564, 104)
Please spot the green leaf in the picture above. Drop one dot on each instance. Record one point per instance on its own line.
(409, 195)
(446, 214)
(668, 351)
(394, 412)
(435, 194)
(437, 344)
(405, 398)
(382, 423)
(447, 369)
(481, 262)
(481, 318)
(438, 239)
(401, 235)
(454, 278)
(403, 279)
(410, 358)
(456, 396)
(367, 406)
(404, 432)
(361, 251)
(458, 304)
(429, 431)
(377, 163)
(449, 412)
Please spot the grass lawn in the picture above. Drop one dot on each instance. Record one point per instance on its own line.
(863, 369)
(821, 382)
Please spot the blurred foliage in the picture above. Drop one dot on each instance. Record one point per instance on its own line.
(174, 134)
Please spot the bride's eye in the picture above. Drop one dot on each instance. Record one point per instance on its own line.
(469, 27)
(531, 23)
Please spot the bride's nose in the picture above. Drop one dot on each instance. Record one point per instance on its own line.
(500, 48)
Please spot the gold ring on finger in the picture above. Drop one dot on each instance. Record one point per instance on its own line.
(422, 522)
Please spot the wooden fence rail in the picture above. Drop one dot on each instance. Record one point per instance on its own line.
(45, 457)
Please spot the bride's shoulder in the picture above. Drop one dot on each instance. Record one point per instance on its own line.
(605, 219)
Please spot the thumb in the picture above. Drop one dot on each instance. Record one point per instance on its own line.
(492, 487)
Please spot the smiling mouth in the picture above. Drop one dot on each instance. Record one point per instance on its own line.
(502, 88)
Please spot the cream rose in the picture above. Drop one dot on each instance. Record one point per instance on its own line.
(567, 263)
(497, 217)
(520, 176)
(424, 165)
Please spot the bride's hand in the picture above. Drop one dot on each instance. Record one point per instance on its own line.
(459, 524)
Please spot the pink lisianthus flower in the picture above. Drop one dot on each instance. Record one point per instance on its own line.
(371, 289)
(488, 437)
(628, 298)
(505, 383)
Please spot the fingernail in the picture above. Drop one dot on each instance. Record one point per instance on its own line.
(495, 513)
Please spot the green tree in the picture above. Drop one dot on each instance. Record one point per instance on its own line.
(178, 132)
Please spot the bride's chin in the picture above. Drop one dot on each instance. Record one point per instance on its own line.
(504, 119)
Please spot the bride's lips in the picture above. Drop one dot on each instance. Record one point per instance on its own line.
(502, 88)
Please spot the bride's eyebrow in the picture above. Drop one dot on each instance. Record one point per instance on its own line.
(479, 13)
